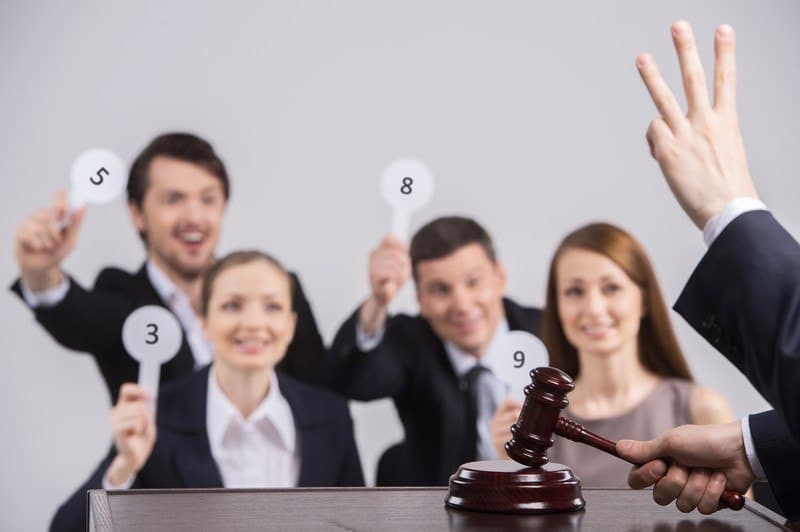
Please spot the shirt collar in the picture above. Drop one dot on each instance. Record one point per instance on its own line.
(163, 285)
(272, 410)
(462, 361)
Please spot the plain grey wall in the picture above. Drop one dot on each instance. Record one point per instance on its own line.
(530, 114)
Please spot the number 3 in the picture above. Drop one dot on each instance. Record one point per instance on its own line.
(519, 356)
(153, 333)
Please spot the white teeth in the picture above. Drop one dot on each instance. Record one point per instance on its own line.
(192, 237)
(251, 342)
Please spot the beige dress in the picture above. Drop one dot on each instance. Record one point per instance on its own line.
(666, 407)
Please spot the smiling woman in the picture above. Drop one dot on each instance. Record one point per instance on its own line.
(238, 423)
(606, 324)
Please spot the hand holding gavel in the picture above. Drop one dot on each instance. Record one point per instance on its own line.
(539, 420)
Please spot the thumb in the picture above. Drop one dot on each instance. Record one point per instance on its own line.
(640, 451)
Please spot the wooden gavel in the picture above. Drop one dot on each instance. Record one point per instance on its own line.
(540, 419)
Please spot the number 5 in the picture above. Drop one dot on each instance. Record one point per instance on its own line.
(99, 176)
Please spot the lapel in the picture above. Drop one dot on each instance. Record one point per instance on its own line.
(454, 416)
(182, 420)
(316, 467)
(183, 362)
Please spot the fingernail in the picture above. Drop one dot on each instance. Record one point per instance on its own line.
(624, 446)
(660, 468)
(680, 27)
(718, 477)
(643, 60)
(725, 30)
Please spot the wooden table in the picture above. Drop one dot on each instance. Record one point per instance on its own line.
(408, 509)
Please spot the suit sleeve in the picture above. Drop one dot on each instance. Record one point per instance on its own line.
(368, 375)
(306, 353)
(72, 515)
(88, 321)
(779, 453)
(744, 298)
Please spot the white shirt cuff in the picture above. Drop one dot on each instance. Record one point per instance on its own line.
(367, 342)
(124, 486)
(46, 298)
(732, 210)
(750, 450)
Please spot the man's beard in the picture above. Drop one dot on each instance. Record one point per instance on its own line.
(187, 274)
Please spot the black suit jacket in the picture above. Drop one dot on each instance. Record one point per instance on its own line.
(744, 298)
(91, 321)
(411, 366)
(181, 456)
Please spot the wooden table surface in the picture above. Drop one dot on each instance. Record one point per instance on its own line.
(403, 509)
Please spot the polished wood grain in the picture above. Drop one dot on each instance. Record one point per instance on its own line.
(539, 419)
(508, 487)
(578, 433)
(396, 509)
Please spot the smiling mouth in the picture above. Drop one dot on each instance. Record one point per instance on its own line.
(596, 330)
(192, 238)
(467, 325)
(251, 345)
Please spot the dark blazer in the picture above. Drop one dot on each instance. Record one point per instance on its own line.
(91, 321)
(744, 298)
(181, 456)
(411, 366)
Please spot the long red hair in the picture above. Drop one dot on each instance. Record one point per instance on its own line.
(659, 350)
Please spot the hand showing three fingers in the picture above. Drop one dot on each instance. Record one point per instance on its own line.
(701, 152)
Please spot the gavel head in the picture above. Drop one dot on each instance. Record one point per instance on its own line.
(532, 434)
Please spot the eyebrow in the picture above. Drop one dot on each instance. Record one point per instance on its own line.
(249, 295)
(210, 188)
(606, 277)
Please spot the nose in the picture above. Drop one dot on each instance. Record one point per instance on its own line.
(193, 211)
(461, 299)
(594, 303)
(253, 317)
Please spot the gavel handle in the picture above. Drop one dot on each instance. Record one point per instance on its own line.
(576, 432)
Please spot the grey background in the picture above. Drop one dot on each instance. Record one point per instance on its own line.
(531, 115)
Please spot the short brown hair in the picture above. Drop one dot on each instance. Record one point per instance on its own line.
(659, 350)
(444, 235)
(238, 258)
(182, 146)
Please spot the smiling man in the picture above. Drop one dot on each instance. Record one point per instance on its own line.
(453, 408)
(177, 192)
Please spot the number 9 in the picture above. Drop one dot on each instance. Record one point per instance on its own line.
(519, 356)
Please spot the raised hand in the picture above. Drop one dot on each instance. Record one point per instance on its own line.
(134, 431)
(701, 152)
(42, 242)
(500, 425)
(707, 460)
(389, 269)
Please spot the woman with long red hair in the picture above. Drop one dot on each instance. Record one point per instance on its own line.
(606, 325)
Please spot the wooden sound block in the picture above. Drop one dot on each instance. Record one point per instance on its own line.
(509, 487)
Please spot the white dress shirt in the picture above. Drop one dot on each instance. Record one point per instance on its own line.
(492, 390)
(174, 298)
(711, 231)
(179, 304)
(262, 451)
